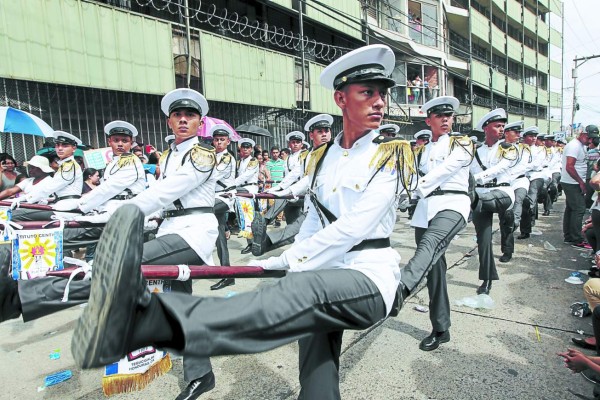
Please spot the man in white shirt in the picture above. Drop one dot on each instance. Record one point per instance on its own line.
(574, 168)
(554, 167)
(349, 273)
(493, 159)
(441, 212)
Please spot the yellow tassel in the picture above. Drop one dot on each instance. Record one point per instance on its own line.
(125, 160)
(133, 382)
(395, 151)
(315, 156)
(246, 234)
(163, 156)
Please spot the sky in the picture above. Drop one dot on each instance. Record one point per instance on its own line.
(582, 39)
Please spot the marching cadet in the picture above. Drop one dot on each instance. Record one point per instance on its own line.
(66, 184)
(319, 131)
(519, 184)
(350, 274)
(225, 168)
(246, 181)
(554, 167)
(422, 137)
(441, 212)
(536, 175)
(389, 130)
(185, 194)
(494, 194)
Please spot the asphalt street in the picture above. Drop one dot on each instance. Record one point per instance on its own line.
(493, 354)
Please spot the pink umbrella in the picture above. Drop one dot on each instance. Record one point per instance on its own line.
(210, 122)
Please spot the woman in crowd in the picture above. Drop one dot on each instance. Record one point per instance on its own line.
(91, 179)
(8, 172)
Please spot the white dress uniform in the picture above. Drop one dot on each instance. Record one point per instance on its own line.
(193, 184)
(294, 169)
(497, 167)
(123, 178)
(66, 185)
(448, 173)
(247, 174)
(225, 173)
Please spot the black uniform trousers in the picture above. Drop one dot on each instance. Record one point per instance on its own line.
(43, 296)
(430, 260)
(552, 191)
(221, 209)
(490, 203)
(530, 205)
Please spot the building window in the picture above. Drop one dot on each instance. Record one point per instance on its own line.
(415, 83)
(423, 23)
(298, 82)
(392, 16)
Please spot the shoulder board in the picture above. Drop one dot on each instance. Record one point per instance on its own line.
(315, 156)
(163, 156)
(303, 154)
(508, 151)
(126, 159)
(67, 166)
(253, 163)
(226, 159)
(462, 140)
(202, 155)
(390, 151)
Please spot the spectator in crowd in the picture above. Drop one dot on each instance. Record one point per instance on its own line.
(265, 154)
(263, 173)
(91, 179)
(574, 168)
(285, 153)
(276, 165)
(593, 156)
(8, 172)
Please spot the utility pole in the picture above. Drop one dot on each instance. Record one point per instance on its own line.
(189, 42)
(577, 65)
(365, 9)
(302, 61)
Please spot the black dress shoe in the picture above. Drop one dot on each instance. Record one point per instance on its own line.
(197, 387)
(485, 287)
(523, 236)
(546, 213)
(117, 292)
(434, 340)
(247, 249)
(223, 283)
(583, 344)
(260, 237)
(505, 257)
(10, 303)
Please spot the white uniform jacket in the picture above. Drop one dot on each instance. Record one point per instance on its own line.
(294, 169)
(67, 181)
(497, 167)
(247, 174)
(364, 210)
(225, 174)
(186, 175)
(555, 164)
(539, 162)
(445, 168)
(123, 176)
(518, 172)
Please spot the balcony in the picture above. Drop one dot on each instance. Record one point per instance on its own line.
(514, 49)
(542, 30)
(530, 20)
(530, 93)
(542, 97)
(555, 69)
(514, 88)
(498, 40)
(480, 25)
(529, 57)
(514, 10)
(542, 63)
(480, 73)
(499, 3)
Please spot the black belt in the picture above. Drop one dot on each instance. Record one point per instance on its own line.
(188, 211)
(369, 244)
(440, 192)
(493, 185)
(247, 184)
(123, 197)
(520, 176)
(73, 196)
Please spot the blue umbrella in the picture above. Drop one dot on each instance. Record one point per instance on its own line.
(17, 121)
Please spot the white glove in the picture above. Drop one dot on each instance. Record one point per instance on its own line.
(269, 263)
(43, 202)
(150, 225)
(93, 219)
(16, 203)
(478, 179)
(283, 192)
(272, 190)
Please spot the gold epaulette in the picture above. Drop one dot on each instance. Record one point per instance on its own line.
(303, 155)
(253, 163)
(68, 166)
(391, 150)
(508, 151)
(126, 159)
(460, 140)
(226, 159)
(203, 156)
(163, 156)
(418, 150)
(315, 155)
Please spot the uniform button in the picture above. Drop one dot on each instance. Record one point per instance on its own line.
(345, 153)
(356, 186)
(304, 258)
(299, 260)
(334, 189)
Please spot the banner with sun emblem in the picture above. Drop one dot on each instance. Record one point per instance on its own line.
(35, 252)
(245, 209)
(5, 215)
